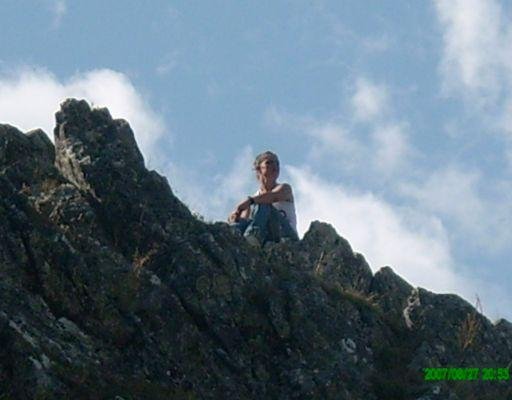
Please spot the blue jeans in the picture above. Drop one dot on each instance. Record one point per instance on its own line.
(266, 223)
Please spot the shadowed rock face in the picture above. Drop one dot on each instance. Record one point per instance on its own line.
(110, 287)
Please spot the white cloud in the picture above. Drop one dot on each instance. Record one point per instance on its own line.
(187, 186)
(330, 140)
(333, 140)
(449, 192)
(495, 299)
(215, 198)
(369, 100)
(385, 151)
(413, 242)
(454, 194)
(472, 43)
(59, 9)
(476, 62)
(507, 116)
(391, 148)
(30, 97)
(234, 186)
(385, 235)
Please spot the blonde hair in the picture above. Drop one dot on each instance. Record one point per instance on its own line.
(262, 156)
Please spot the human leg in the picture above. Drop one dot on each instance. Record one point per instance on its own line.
(269, 224)
(258, 227)
(286, 230)
(241, 225)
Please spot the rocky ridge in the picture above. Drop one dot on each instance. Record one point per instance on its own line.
(112, 289)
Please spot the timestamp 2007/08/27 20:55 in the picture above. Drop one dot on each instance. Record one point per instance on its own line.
(466, 374)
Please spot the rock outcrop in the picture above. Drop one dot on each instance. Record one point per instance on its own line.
(112, 289)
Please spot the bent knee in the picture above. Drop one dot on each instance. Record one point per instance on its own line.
(263, 206)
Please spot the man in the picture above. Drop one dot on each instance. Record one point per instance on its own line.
(269, 214)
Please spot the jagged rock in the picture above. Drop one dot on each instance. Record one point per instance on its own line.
(329, 255)
(392, 294)
(111, 289)
(100, 157)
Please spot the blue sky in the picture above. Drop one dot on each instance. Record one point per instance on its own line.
(392, 120)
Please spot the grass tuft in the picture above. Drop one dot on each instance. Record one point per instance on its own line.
(469, 329)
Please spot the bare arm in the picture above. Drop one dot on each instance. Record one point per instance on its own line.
(282, 192)
(236, 215)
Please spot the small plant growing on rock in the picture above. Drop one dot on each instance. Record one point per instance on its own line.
(470, 327)
(353, 295)
(358, 297)
(139, 260)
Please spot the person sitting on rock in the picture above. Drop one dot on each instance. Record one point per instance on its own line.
(269, 214)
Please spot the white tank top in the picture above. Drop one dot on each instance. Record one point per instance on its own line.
(287, 208)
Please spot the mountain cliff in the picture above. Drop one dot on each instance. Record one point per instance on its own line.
(112, 289)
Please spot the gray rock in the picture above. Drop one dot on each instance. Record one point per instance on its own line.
(111, 288)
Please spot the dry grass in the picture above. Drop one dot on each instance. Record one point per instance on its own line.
(139, 260)
(351, 294)
(469, 329)
(354, 296)
(49, 184)
(359, 297)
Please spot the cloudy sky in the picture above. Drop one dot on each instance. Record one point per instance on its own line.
(392, 120)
